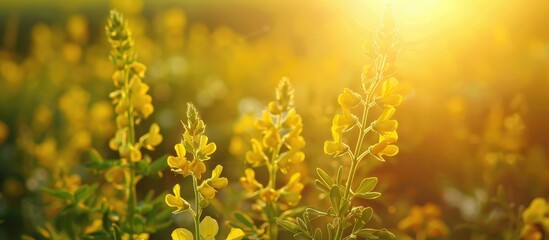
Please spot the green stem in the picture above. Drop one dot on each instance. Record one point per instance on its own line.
(362, 133)
(132, 198)
(273, 169)
(198, 209)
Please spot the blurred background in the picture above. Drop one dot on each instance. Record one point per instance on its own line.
(474, 118)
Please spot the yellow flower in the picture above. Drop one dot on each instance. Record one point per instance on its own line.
(290, 157)
(425, 218)
(117, 77)
(348, 99)
(266, 121)
(532, 232)
(205, 148)
(116, 175)
(336, 146)
(271, 138)
(535, 213)
(292, 120)
(387, 96)
(176, 200)
(140, 99)
(135, 153)
(198, 168)
(235, 234)
(182, 234)
(256, 157)
(436, 228)
(139, 69)
(294, 141)
(269, 195)
(345, 119)
(207, 188)
(248, 182)
(384, 123)
(291, 193)
(119, 139)
(208, 228)
(179, 164)
(385, 146)
(216, 181)
(152, 138)
(274, 107)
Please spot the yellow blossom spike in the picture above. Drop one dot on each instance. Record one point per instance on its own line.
(182, 234)
(176, 200)
(348, 99)
(235, 234)
(208, 228)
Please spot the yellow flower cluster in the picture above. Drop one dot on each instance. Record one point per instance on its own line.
(132, 104)
(425, 221)
(536, 219)
(195, 143)
(131, 100)
(279, 147)
(380, 90)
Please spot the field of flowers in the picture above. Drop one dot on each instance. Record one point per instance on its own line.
(245, 119)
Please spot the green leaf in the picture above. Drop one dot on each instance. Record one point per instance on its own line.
(335, 199)
(158, 165)
(96, 156)
(318, 234)
(84, 192)
(367, 215)
(321, 186)
(339, 175)
(62, 194)
(369, 195)
(324, 177)
(290, 226)
(385, 234)
(301, 236)
(366, 185)
(302, 224)
(367, 233)
(331, 231)
(315, 212)
(244, 219)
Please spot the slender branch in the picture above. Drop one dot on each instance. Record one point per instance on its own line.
(198, 209)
